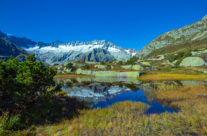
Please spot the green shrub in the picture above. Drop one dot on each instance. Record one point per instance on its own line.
(120, 63)
(86, 67)
(9, 124)
(132, 60)
(21, 83)
(108, 67)
(69, 65)
(181, 55)
(172, 58)
(102, 63)
(177, 64)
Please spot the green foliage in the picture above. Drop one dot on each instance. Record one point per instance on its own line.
(8, 124)
(49, 110)
(86, 67)
(120, 63)
(29, 96)
(179, 56)
(171, 57)
(108, 67)
(178, 63)
(132, 60)
(21, 83)
(102, 63)
(69, 65)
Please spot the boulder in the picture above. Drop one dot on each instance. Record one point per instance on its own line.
(83, 72)
(116, 74)
(66, 70)
(192, 61)
(145, 63)
(102, 67)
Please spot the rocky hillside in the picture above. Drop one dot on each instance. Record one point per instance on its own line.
(59, 52)
(21, 42)
(190, 37)
(8, 49)
(97, 55)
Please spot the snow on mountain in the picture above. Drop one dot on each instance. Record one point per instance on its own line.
(59, 52)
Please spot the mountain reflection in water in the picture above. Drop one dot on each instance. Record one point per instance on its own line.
(104, 92)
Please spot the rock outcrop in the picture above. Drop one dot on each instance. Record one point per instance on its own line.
(116, 74)
(97, 55)
(132, 67)
(192, 61)
(187, 36)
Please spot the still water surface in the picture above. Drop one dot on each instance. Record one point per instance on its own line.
(104, 92)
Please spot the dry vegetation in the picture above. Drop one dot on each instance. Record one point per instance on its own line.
(180, 47)
(160, 76)
(128, 118)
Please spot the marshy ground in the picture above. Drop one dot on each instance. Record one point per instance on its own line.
(129, 118)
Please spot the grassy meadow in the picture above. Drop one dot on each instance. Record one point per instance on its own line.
(51, 112)
(128, 118)
(162, 76)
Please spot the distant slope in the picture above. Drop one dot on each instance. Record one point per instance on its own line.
(97, 55)
(59, 52)
(8, 49)
(189, 37)
(18, 41)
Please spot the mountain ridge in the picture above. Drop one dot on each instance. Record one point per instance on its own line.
(62, 52)
(59, 52)
(187, 35)
(8, 49)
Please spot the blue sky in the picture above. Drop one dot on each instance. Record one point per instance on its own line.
(127, 23)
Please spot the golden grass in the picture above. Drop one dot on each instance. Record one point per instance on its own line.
(128, 118)
(161, 76)
(185, 97)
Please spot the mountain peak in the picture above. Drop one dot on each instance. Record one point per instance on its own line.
(205, 17)
(179, 38)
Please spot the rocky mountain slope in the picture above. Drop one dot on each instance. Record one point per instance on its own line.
(8, 49)
(59, 52)
(189, 37)
(21, 42)
(97, 55)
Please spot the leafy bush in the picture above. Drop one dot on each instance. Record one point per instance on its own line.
(172, 58)
(180, 56)
(9, 123)
(86, 67)
(132, 60)
(102, 63)
(21, 83)
(108, 67)
(120, 63)
(69, 65)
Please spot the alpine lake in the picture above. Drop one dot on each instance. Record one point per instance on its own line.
(104, 92)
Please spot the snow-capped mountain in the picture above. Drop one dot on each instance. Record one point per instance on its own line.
(59, 52)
